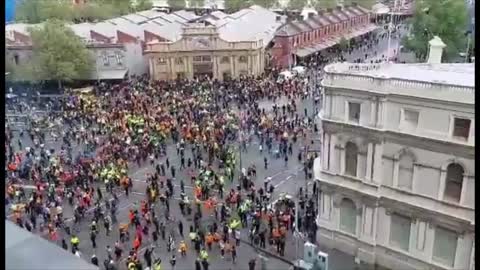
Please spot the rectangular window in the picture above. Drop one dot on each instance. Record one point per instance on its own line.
(445, 246)
(410, 119)
(161, 61)
(197, 59)
(400, 231)
(461, 128)
(179, 61)
(354, 112)
(225, 60)
(106, 60)
(206, 58)
(242, 59)
(118, 58)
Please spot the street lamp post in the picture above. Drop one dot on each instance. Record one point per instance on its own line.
(390, 24)
(467, 52)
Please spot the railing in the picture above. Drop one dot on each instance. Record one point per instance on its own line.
(382, 84)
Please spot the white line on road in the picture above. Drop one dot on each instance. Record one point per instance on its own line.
(283, 181)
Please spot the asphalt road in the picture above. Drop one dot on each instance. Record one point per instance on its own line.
(286, 178)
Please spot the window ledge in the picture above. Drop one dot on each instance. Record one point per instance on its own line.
(410, 193)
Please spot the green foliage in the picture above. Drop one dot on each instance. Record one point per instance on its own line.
(58, 54)
(343, 43)
(176, 4)
(143, 5)
(323, 4)
(297, 4)
(444, 18)
(265, 3)
(368, 4)
(196, 3)
(37, 11)
(236, 5)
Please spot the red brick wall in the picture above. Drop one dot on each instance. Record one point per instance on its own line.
(98, 37)
(282, 50)
(21, 38)
(150, 37)
(125, 38)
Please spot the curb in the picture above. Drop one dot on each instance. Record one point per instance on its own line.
(269, 253)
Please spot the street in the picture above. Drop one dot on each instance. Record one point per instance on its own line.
(286, 177)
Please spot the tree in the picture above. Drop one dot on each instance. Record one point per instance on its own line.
(297, 4)
(143, 5)
(444, 18)
(236, 5)
(265, 3)
(323, 4)
(58, 54)
(196, 3)
(343, 43)
(176, 4)
(39, 11)
(368, 4)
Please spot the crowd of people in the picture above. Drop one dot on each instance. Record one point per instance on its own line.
(114, 130)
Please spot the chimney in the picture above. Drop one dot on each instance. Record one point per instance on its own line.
(435, 51)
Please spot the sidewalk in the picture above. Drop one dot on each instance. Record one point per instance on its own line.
(337, 260)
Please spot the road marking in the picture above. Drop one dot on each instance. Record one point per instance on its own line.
(283, 181)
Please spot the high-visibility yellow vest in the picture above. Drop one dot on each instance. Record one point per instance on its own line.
(204, 254)
(132, 266)
(157, 266)
(75, 241)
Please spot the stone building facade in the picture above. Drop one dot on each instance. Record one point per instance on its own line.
(201, 52)
(397, 174)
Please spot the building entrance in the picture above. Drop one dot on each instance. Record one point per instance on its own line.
(202, 66)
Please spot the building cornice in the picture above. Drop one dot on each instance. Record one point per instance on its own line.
(409, 140)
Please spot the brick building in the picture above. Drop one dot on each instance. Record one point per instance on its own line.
(302, 38)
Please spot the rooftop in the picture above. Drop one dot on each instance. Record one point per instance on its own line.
(324, 18)
(451, 74)
(250, 24)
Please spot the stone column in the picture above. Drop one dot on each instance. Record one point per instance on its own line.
(368, 174)
(232, 66)
(377, 163)
(465, 185)
(333, 154)
(373, 112)
(443, 179)
(471, 136)
(249, 64)
(325, 151)
(343, 160)
(327, 108)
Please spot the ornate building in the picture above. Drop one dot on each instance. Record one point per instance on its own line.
(218, 45)
(397, 171)
(202, 52)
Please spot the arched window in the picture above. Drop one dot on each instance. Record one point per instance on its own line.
(348, 216)
(453, 183)
(405, 171)
(351, 156)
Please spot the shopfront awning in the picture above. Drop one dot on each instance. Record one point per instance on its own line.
(306, 51)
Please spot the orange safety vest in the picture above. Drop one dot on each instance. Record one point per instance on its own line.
(198, 191)
(209, 239)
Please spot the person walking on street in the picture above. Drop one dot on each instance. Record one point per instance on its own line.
(173, 261)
